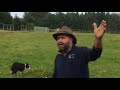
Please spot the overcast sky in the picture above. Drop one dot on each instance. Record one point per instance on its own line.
(20, 14)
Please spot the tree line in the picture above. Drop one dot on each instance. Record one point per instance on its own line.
(74, 20)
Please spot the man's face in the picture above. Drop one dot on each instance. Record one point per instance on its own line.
(64, 42)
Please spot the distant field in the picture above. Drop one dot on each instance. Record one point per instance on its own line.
(39, 49)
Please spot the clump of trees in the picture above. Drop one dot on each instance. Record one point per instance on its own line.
(74, 20)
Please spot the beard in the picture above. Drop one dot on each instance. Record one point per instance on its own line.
(64, 47)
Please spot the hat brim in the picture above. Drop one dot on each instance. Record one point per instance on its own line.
(73, 37)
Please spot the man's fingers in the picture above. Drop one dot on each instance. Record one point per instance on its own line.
(95, 26)
(103, 23)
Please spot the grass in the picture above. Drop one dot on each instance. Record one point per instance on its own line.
(39, 49)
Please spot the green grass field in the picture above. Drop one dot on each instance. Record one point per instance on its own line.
(39, 49)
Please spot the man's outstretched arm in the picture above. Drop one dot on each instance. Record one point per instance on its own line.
(99, 33)
(97, 47)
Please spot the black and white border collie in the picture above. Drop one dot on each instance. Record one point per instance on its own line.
(16, 66)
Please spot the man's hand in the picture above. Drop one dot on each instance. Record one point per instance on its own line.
(99, 32)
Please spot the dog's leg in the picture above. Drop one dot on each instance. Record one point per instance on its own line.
(16, 73)
(10, 72)
(20, 72)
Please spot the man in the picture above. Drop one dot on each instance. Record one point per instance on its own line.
(72, 61)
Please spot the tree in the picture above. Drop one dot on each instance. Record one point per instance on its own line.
(28, 18)
(6, 18)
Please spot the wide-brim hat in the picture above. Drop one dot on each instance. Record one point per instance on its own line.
(65, 31)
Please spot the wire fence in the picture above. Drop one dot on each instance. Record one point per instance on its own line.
(16, 27)
(31, 27)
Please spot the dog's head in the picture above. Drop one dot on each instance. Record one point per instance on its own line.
(27, 65)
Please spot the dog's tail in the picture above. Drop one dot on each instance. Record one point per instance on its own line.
(11, 72)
